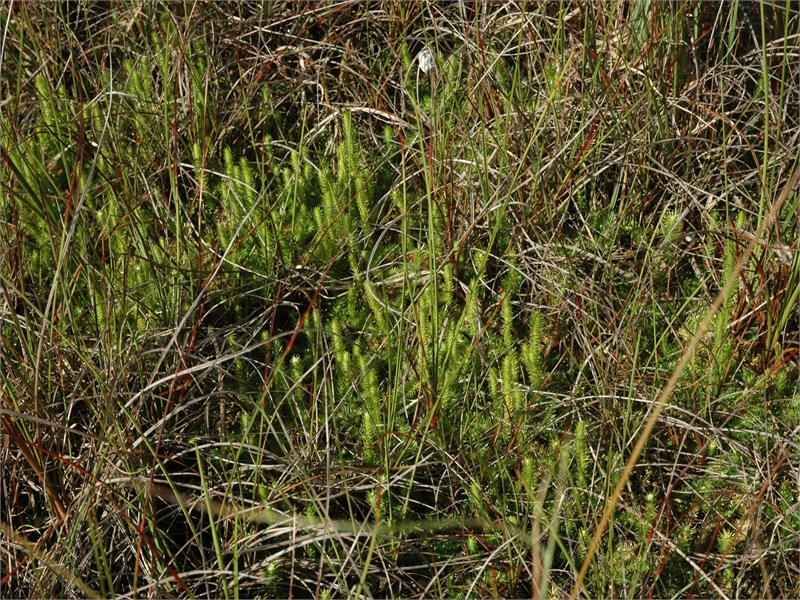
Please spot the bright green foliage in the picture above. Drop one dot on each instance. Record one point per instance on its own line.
(529, 477)
(346, 197)
(670, 226)
(723, 347)
(580, 451)
(532, 352)
(513, 398)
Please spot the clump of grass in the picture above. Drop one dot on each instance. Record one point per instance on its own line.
(287, 316)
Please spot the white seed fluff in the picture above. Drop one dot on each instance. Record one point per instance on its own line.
(426, 60)
(784, 255)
